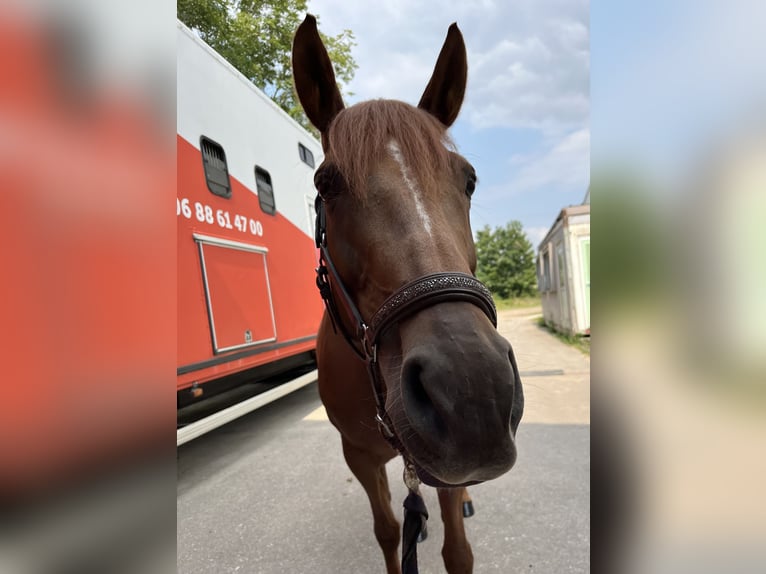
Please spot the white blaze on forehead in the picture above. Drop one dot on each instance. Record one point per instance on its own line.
(412, 185)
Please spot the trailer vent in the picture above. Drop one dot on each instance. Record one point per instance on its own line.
(216, 171)
(306, 156)
(265, 191)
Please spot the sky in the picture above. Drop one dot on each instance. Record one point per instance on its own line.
(672, 81)
(524, 124)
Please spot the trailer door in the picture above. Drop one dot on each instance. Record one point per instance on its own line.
(237, 292)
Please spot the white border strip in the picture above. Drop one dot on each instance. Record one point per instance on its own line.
(219, 241)
(202, 426)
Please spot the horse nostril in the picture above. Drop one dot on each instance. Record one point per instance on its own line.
(416, 395)
(419, 406)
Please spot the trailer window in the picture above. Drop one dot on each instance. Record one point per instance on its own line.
(306, 156)
(265, 191)
(216, 170)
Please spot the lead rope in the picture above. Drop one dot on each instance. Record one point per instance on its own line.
(415, 517)
(415, 512)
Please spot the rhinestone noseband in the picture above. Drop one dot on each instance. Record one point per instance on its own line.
(430, 290)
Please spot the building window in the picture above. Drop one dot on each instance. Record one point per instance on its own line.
(265, 191)
(216, 170)
(546, 270)
(561, 268)
(306, 156)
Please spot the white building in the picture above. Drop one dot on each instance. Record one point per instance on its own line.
(563, 270)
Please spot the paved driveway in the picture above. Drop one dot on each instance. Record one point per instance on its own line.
(270, 493)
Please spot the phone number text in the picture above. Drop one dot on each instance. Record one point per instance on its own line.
(206, 214)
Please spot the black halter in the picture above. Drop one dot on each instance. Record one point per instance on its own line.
(409, 299)
(412, 297)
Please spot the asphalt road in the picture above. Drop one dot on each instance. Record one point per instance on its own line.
(270, 492)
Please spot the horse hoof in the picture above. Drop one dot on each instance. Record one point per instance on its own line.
(423, 534)
(468, 510)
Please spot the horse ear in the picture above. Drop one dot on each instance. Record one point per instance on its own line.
(444, 93)
(314, 77)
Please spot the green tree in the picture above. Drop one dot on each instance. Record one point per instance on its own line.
(636, 255)
(256, 37)
(506, 261)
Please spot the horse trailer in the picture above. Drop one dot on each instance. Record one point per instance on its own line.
(247, 304)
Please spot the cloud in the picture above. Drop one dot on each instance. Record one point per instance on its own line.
(538, 79)
(528, 60)
(535, 234)
(562, 165)
(565, 165)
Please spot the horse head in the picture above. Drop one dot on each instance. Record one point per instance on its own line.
(396, 197)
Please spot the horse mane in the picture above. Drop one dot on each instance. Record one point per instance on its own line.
(359, 136)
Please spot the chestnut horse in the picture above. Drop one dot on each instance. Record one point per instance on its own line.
(405, 311)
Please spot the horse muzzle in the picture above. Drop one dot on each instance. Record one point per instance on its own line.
(458, 400)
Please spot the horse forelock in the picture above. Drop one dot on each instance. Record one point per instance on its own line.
(360, 136)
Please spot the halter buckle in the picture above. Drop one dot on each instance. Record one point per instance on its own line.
(322, 283)
(410, 475)
(370, 349)
(383, 426)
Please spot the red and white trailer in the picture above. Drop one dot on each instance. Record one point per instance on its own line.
(247, 302)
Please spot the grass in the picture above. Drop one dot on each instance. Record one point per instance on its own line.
(579, 342)
(517, 303)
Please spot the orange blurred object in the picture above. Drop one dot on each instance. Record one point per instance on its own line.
(88, 296)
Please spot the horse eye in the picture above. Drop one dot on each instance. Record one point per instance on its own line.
(320, 179)
(328, 181)
(470, 185)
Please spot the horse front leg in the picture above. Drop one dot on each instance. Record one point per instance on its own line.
(456, 551)
(370, 471)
